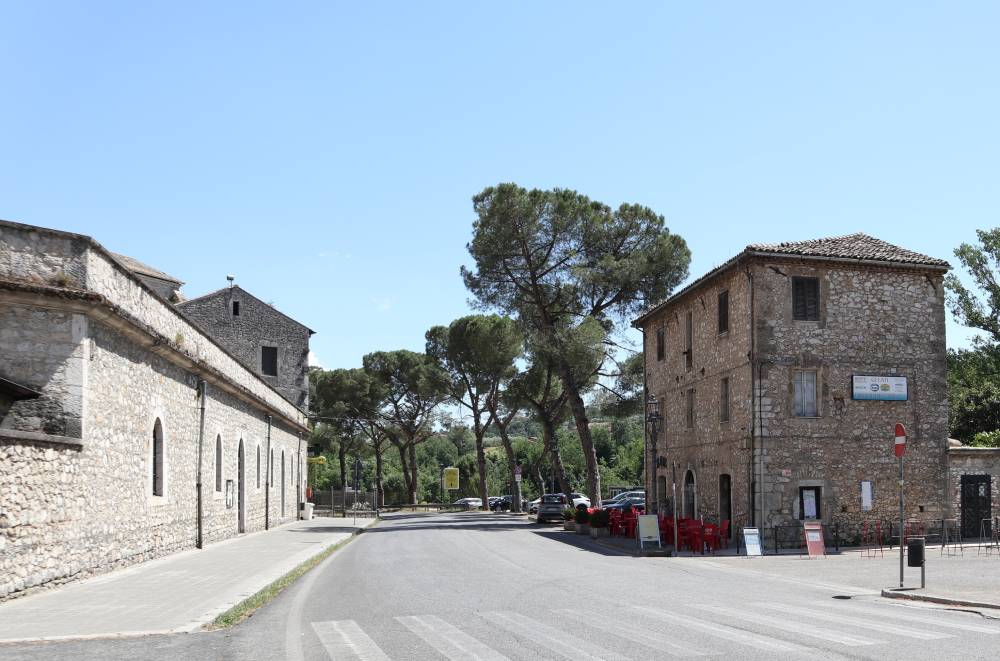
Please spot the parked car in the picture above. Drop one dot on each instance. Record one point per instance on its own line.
(625, 503)
(533, 506)
(505, 503)
(469, 503)
(579, 499)
(493, 500)
(551, 506)
(622, 496)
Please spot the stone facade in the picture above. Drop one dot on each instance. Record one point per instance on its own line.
(246, 326)
(877, 314)
(116, 367)
(982, 465)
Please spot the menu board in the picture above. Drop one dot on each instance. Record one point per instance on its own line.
(751, 539)
(648, 529)
(813, 531)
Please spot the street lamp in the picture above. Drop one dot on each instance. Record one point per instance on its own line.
(653, 420)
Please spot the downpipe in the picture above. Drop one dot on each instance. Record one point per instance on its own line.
(270, 469)
(203, 392)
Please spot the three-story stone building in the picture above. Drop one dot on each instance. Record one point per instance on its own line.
(781, 375)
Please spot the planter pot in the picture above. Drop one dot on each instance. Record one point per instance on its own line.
(599, 532)
(569, 525)
(582, 529)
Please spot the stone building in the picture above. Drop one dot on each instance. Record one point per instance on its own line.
(126, 431)
(781, 375)
(272, 344)
(974, 488)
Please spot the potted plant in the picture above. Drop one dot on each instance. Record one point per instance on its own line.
(568, 522)
(582, 518)
(599, 523)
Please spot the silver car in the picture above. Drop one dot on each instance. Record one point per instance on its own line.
(551, 507)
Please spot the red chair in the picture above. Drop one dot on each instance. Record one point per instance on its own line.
(615, 525)
(695, 536)
(629, 520)
(712, 537)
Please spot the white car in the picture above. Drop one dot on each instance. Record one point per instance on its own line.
(579, 499)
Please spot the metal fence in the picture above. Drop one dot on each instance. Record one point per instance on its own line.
(335, 499)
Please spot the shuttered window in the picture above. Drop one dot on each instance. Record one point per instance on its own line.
(805, 299)
(724, 312)
(689, 341)
(157, 458)
(660, 341)
(805, 394)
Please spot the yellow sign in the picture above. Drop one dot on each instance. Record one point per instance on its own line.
(451, 477)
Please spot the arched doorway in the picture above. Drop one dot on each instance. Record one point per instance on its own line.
(282, 483)
(690, 504)
(726, 501)
(241, 489)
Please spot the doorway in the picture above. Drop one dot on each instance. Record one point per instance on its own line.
(976, 505)
(690, 506)
(241, 489)
(726, 502)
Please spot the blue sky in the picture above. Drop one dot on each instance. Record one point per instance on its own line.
(326, 153)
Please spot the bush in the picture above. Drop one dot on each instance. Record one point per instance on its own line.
(568, 514)
(582, 516)
(599, 519)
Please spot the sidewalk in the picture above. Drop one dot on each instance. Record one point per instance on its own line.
(177, 593)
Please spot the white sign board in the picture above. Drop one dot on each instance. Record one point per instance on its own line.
(866, 495)
(751, 539)
(517, 477)
(883, 388)
(648, 529)
(809, 503)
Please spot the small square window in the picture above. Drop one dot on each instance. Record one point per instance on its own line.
(805, 299)
(805, 394)
(723, 312)
(269, 361)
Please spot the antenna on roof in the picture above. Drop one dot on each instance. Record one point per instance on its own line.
(230, 278)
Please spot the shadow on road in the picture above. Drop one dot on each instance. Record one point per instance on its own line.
(582, 542)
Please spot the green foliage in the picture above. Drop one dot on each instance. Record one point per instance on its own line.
(970, 309)
(986, 439)
(599, 518)
(568, 514)
(973, 392)
(581, 516)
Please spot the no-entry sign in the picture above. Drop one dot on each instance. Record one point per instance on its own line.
(900, 446)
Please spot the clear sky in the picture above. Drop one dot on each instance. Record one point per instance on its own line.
(325, 153)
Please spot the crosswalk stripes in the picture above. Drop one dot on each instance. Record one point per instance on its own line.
(828, 635)
(449, 640)
(909, 614)
(865, 623)
(722, 631)
(345, 639)
(838, 624)
(562, 643)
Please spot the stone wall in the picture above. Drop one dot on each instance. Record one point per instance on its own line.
(257, 325)
(972, 461)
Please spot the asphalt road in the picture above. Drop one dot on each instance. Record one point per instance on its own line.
(481, 586)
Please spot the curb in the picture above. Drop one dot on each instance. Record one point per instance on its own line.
(947, 601)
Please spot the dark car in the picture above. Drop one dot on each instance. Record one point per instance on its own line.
(505, 504)
(625, 503)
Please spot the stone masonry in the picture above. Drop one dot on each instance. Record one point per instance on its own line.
(880, 313)
(116, 365)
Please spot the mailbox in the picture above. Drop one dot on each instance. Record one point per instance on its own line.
(915, 552)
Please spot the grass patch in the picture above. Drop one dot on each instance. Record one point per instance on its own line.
(248, 606)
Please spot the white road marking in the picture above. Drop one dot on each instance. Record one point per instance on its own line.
(722, 631)
(345, 639)
(564, 644)
(450, 641)
(792, 627)
(641, 635)
(897, 612)
(865, 623)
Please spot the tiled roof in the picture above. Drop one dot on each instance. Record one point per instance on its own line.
(134, 265)
(851, 246)
(857, 246)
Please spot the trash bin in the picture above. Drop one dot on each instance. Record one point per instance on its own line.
(915, 552)
(307, 511)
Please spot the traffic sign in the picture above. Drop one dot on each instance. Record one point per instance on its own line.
(900, 446)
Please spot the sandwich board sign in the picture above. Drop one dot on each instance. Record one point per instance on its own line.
(751, 539)
(813, 531)
(648, 529)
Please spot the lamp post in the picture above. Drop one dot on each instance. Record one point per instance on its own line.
(441, 484)
(653, 420)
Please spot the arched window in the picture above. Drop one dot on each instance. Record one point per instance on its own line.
(218, 463)
(157, 458)
(258, 467)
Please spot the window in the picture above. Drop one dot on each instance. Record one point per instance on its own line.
(689, 418)
(805, 299)
(805, 394)
(659, 344)
(689, 341)
(269, 361)
(218, 463)
(157, 458)
(236, 308)
(724, 400)
(809, 503)
(723, 312)
(258, 467)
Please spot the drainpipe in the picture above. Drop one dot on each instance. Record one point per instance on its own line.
(203, 391)
(645, 430)
(298, 483)
(267, 491)
(753, 399)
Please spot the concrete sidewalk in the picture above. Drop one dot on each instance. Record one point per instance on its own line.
(178, 593)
